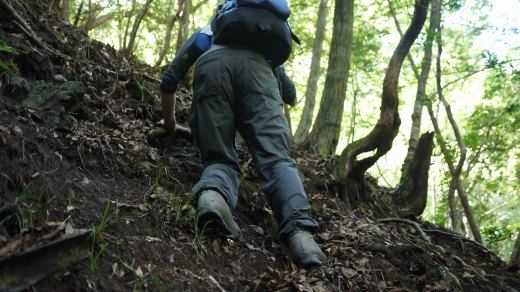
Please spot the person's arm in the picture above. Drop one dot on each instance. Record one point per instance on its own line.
(168, 109)
(287, 88)
(178, 68)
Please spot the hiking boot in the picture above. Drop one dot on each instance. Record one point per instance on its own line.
(304, 250)
(214, 212)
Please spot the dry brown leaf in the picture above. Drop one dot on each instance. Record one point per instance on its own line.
(348, 272)
(333, 250)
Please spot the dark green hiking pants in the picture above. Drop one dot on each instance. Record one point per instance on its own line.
(235, 88)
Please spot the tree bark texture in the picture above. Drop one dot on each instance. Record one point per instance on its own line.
(412, 194)
(384, 132)
(78, 13)
(421, 85)
(135, 28)
(183, 24)
(325, 133)
(312, 82)
(456, 174)
(128, 21)
(515, 254)
(167, 35)
(65, 6)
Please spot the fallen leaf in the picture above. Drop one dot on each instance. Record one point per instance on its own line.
(139, 272)
(348, 272)
(251, 247)
(236, 268)
(117, 270)
(151, 239)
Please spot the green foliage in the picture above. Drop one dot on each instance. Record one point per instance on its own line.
(177, 204)
(453, 5)
(494, 236)
(98, 249)
(7, 64)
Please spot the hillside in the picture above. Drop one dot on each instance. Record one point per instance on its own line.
(74, 156)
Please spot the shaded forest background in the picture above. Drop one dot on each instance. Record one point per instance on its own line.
(474, 65)
(461, 81)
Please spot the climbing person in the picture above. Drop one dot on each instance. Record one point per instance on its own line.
(240, 84)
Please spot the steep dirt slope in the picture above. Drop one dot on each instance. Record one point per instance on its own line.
(73, 124)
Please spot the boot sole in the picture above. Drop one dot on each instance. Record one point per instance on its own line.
(209, 219)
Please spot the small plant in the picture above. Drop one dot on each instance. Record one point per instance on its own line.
(71, 117)
(9, 50)
(200, 232)
(159, 173)
(24, 194)
(177, 204)
(98, 250)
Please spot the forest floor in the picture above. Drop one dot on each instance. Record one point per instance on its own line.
(75, 160)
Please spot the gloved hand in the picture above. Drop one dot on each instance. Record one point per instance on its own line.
(160, 131)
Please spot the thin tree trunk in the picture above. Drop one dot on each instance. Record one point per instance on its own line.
(415, 131)
(184, 25)
(326, 130)
(98, 21)
(78, 13)
(168, 35)
(66, 10)
(515, 254)
(129, 20)
(449, 161)
(351, 133)
(456, 175)
(312, 82)
(137, 23)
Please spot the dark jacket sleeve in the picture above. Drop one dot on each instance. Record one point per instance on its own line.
(191, 50)
(287, 88)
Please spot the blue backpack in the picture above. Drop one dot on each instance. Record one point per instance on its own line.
(258, 24)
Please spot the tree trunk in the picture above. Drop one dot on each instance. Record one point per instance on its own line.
(65, 10)
(421, 84)
(456, 174)
(384, 132)
(325, 133)
(137, 22)
(353, 115)
(78, 13)
(98, 21)
(167, 36)
(412, 194)
(515, 254)
(312, 82)
(128, 21)
(184, 25)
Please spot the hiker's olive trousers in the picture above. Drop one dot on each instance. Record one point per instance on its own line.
(235, 88)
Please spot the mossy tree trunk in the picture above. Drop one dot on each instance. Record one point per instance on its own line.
(350, 170)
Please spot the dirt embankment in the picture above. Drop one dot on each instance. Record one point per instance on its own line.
(74, 114)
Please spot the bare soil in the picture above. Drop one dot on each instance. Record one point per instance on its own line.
(77, 147)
